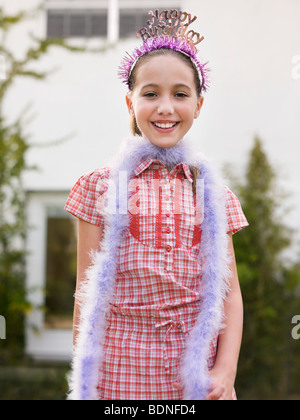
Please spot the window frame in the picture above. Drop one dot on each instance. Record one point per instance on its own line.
(42, 343)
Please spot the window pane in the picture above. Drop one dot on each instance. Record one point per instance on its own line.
(127, 24)
(60, 272)
(98, 25)
(77, 23)
(55, 27)
(131, 20)
(78, 26)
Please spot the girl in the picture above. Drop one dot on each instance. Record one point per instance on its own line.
(158, 311)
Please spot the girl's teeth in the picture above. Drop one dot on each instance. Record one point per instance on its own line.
(164, 126)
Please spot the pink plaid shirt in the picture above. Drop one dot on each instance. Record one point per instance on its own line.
(157, 296)
(85, 197)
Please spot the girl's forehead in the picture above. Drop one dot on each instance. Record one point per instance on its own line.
(164, 67)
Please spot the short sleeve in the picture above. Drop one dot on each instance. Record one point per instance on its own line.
(85, 199)
(235, 215)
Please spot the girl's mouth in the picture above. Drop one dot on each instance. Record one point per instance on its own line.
(165, 127)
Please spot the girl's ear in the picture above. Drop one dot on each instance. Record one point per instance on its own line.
(129, 105)
(199, 107)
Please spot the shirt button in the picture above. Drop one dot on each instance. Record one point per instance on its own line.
(168, 230)
(168, 215)
(169, 248)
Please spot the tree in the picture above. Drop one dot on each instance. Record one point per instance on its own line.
(14, 144)
(264, 280)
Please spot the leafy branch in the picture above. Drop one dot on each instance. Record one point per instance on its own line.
(14, 146)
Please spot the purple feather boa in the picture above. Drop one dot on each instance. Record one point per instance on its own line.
(99, 287)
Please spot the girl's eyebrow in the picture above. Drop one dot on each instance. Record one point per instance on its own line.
(152, 85)
(182, 85)
(177, 86)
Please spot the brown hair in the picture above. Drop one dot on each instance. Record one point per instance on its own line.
(132, 82)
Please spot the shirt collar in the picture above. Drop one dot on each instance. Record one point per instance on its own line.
(144, 164)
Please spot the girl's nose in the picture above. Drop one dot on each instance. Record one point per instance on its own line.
(165, 107)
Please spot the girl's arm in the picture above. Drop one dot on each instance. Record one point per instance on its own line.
(224, 372)
(89, 239)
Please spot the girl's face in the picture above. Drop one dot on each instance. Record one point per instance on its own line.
(164, 101)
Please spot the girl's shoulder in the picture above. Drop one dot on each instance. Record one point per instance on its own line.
(230, 196)
(95, 177)
(235, 216)
(94, 183)
(85, 197)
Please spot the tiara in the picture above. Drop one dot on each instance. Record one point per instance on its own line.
(169, 29)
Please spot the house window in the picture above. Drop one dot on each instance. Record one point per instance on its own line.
(50, 275)
(110, 20)
(76, 23)
(131, 21)
(60, 270)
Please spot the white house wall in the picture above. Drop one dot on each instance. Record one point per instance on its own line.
(254, 52)
(252, 47)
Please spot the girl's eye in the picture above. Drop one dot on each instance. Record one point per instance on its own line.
(181, 95)
(150, 95)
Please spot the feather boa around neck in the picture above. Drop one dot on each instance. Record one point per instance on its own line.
(99, 287)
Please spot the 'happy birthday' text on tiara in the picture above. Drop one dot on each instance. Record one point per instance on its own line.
(170, 23)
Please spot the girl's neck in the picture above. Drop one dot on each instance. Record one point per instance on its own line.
(169, 156)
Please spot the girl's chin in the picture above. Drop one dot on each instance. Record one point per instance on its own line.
(164, 142)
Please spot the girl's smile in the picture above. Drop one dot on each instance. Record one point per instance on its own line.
(165, 126)
(164, 101)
